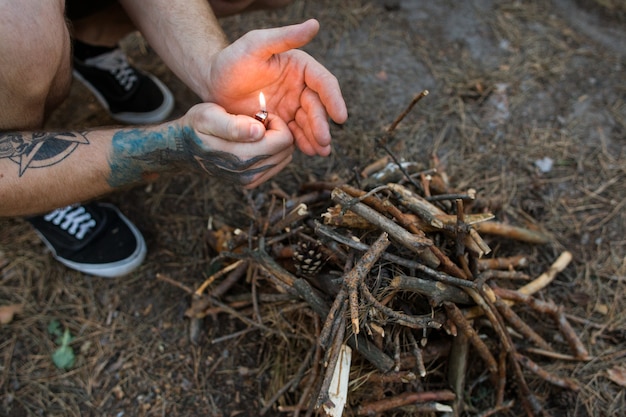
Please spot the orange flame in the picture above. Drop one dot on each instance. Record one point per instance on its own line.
(262, 101)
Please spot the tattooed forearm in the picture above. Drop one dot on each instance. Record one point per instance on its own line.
(139, 154)
(39, 149)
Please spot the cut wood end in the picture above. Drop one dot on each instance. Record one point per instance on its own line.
(338, 390)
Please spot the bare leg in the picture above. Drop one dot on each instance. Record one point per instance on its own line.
(35, 68)
(105, 27)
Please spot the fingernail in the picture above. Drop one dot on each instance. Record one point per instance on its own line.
(256, 131)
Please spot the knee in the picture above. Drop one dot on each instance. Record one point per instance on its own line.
(35, 67)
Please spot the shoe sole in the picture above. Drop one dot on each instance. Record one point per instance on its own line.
(111, 269)
(155, 116)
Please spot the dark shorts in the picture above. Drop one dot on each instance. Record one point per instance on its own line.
(77, 9)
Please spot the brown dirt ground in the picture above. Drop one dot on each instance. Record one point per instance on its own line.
(511, 83)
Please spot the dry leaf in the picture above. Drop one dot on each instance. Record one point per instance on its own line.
(601, 308)
(382, 75)
(618, 375)
(7, 312)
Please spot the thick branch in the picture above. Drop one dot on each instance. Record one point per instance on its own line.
(413, 242)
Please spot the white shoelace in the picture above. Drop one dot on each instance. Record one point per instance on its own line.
(74, 220)
(116, 63)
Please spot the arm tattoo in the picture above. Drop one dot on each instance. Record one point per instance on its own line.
(39, 149)
(138, 153)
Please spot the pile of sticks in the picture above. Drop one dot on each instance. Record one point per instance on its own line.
(404, 280)
(397, 269)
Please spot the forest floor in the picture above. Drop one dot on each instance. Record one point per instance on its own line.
(527, 105)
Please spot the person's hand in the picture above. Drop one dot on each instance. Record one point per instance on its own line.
(297, 88)
(236, 148)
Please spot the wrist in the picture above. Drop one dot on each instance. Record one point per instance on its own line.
(203, 86)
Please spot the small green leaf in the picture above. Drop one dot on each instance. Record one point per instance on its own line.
(65, 339)
(54, 328)
(64, 357)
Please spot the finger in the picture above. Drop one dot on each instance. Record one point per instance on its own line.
(260, 179)
(278, 132)
(318, 146)
(246, 171)
(301, 139)
(267, 168)
(277, 139)
(326, 85)
(301, 119)
(316, 117)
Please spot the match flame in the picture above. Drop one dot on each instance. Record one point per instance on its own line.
(262, 101)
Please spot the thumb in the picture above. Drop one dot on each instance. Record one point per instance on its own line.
(211, 119)
(277, 40)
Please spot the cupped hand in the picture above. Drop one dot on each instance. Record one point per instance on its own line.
(297, 88)
(237, 148)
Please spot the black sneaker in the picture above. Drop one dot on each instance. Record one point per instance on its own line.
(93, 238)
(129, 95)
